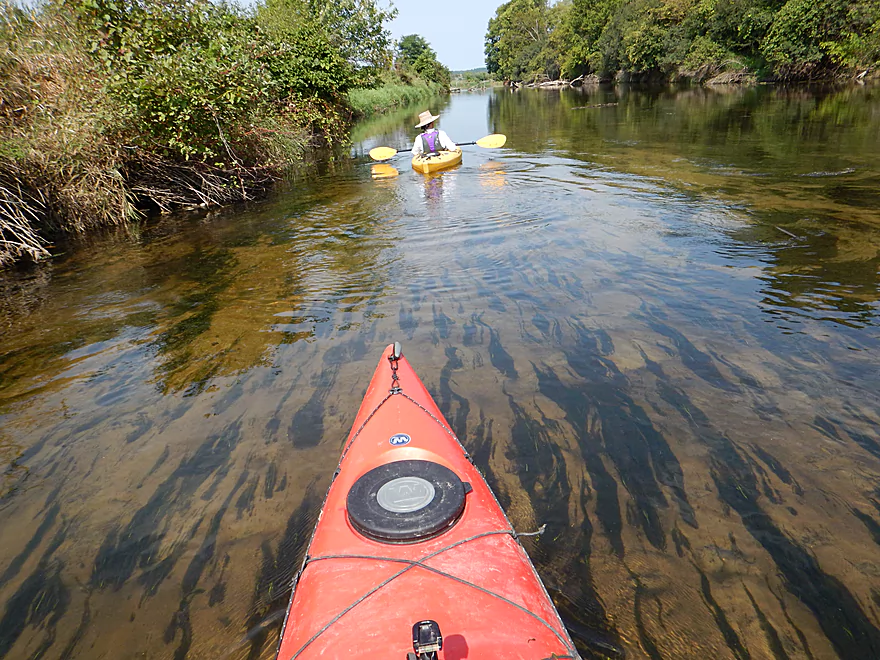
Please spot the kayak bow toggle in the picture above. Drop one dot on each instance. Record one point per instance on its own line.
(427, 640)
(394, 358)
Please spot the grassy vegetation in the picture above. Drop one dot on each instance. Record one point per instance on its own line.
(53, 153)
(393, 93)
(113, 109)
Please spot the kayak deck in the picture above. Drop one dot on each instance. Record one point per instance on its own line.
(360, 594)
(434, 163)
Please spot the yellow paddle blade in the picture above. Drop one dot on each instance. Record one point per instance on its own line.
(494, 141)
(383, 171)
(383, 153)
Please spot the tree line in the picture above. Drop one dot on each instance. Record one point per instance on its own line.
(669, 39)
(113, 109)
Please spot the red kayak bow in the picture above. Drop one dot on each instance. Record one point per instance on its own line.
(412, 556)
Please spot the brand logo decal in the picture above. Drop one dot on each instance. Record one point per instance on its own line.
(400, 439)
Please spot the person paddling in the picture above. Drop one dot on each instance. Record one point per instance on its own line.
(433, 140)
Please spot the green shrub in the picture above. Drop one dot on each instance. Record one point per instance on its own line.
(113, 105)
(416, 55)
(703, 52)
(643, 47)
(186, 75)
(368, 101)
(809, 33)
(428, 68)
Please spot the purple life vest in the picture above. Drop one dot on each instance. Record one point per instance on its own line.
(431, 142)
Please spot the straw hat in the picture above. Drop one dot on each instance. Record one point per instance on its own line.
(426, 118)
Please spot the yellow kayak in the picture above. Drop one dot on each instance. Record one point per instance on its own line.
(428, 164)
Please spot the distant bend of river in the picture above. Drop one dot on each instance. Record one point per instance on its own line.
(652, 318)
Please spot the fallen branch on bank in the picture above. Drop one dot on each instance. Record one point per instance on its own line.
(591, 79)
(169, 186)
(595, 105)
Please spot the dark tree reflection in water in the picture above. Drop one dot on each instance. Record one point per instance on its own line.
(652, 318)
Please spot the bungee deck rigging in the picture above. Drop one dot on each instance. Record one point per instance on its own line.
(411, 542)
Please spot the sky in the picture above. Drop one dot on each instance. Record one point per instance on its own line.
(456, 29)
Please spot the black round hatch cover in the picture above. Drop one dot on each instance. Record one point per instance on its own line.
(406, 501)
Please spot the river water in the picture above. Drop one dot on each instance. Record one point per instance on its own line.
(652, 318)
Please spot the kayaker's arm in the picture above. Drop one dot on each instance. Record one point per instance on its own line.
(446, 142)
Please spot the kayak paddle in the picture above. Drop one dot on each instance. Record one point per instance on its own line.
(383, 153)
(494, 141)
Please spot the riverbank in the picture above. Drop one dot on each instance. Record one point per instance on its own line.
(706, 76)
(367, 102)
(109, 115)
(799, 41)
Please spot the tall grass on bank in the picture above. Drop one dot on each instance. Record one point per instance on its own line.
(111, 109)
(56, 170)
(390, 95)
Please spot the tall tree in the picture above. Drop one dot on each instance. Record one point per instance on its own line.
(411, 47)
(355, 28)
(416, 54)
(517, 36)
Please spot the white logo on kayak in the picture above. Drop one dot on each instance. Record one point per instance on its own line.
(399, 440)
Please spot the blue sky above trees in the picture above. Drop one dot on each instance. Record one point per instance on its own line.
(454, 28)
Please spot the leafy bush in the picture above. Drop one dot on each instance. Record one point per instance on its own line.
(187, 75)
(809, 33)
(416, 55)
(357, 29)
(643, 47)
(703, 52)
(335, 33)
(111, 106)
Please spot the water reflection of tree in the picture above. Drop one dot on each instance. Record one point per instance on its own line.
(205, 295)
(803, 159)
(780, 130)
(828, 275)
(311, 272)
